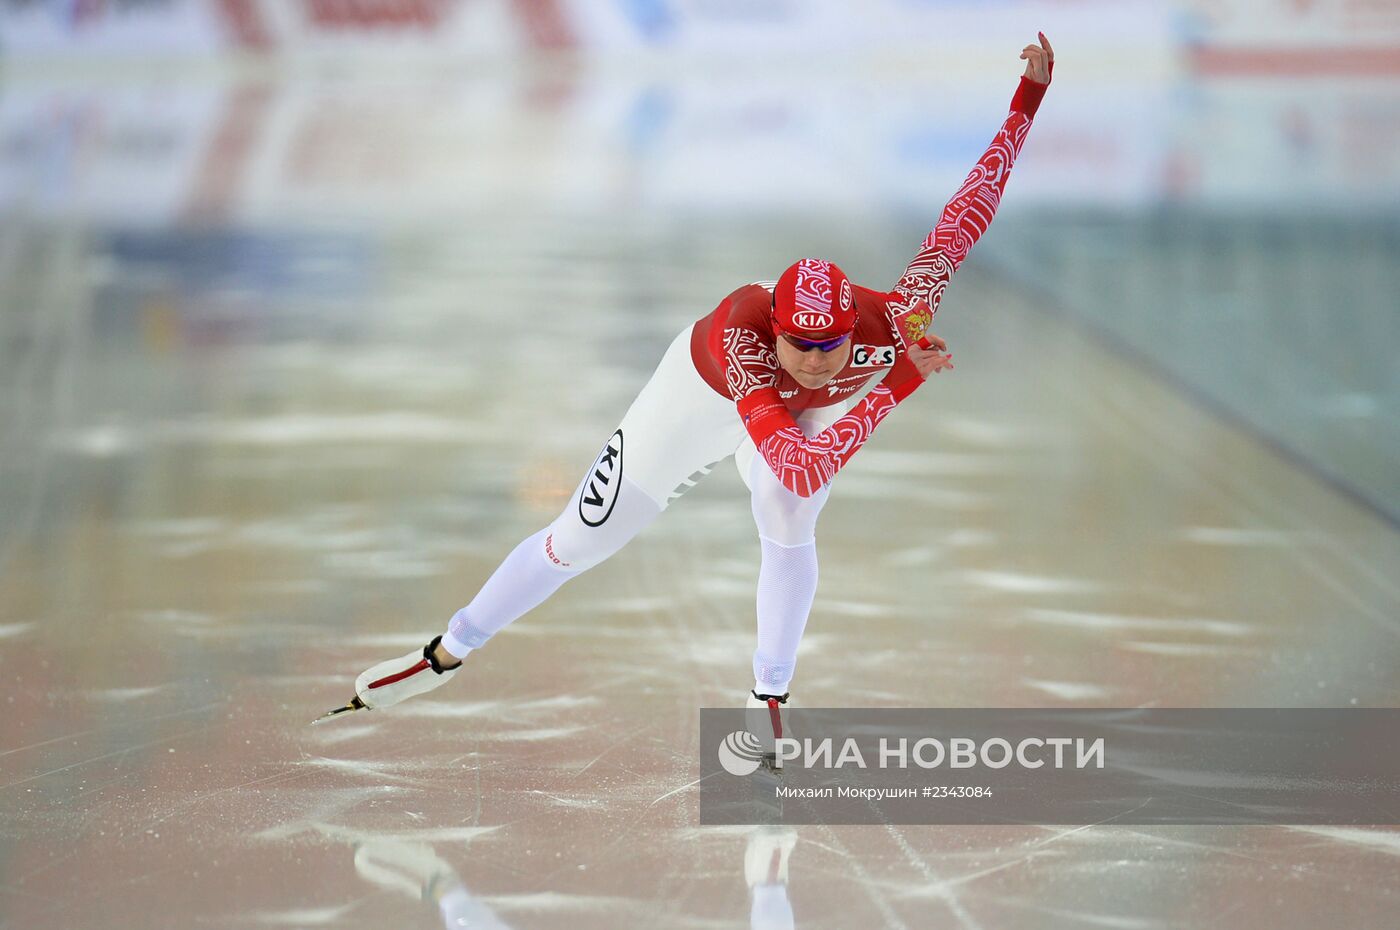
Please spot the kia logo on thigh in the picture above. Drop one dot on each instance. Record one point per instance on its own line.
(601, 487)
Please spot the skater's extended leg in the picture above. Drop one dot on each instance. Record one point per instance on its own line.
(676, 429)
(533, 571)
(537, 567)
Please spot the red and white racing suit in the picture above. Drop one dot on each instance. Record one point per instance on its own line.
(719, 391)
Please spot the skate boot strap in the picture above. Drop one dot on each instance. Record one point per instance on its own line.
(431, 648)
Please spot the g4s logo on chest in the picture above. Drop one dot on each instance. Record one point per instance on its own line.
(872, 356)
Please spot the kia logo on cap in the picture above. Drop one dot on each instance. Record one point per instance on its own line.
(813, 320)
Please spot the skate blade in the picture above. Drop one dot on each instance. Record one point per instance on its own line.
(353, 706)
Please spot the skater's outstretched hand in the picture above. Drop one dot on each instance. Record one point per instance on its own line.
(1038, 60)
(930, 354)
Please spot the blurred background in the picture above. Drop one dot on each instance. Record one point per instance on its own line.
(1217, 189)
(310, 309)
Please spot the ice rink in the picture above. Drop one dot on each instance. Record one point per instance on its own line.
(291, 355)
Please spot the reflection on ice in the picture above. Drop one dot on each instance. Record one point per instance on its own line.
(125, 694)
(1016, 583)
(415, 870)
(375, 771)
(1380, 839)
(1071, 690)
(515, 712)
(1238, 536)
(1190, 650)
(412, 867)
(342, 733)
(302, 917)
(1086, 620)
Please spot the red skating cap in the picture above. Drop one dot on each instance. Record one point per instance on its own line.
(813, 298)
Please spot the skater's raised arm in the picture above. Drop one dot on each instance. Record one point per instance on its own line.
(967, 216)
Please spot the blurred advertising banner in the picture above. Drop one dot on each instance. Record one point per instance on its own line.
(143, 151)
(763, 116)
(195, 27)
(416, 149)
(809, 26)
(69, 28)
(135, 152)
(1292, 25)
(1223, 33)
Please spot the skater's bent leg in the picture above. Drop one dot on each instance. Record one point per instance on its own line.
(787, 584)
(537, 567)
(787, 574)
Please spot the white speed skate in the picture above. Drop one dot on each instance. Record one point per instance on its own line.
(389, 683)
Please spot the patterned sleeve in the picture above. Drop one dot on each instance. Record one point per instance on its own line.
(749, 362)
(803, 465)
(966, 217)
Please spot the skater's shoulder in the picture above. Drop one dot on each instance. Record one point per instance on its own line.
(750, 305)
(873, 310)
(756, 292)
(868, 299)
